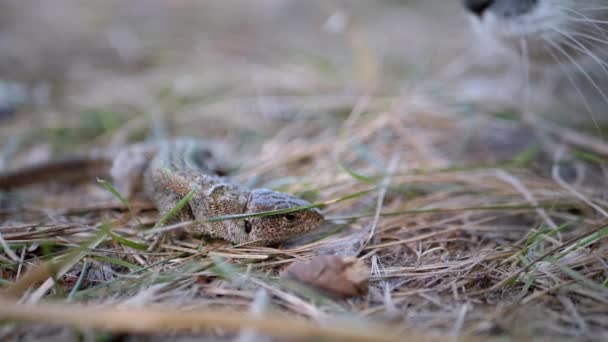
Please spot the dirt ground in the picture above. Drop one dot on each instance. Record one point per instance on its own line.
(472, 222)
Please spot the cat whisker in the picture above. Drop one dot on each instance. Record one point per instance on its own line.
(525, 62)
(574, 62)
(585, 18)
(577, 45)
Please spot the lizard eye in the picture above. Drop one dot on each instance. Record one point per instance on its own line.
(248, 227)
(289, 218)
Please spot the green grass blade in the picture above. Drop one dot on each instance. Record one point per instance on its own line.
(119, 262)
(120, 197)
(78, 285)
(114, 192)
(525, 157)
(5, 282)
(358, 176)
(588, 156)
(290, 210)
(126, 242)
(179, 206)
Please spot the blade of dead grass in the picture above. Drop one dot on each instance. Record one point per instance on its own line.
(148, 320)
(392, 165)
(514, 207)
(541, 205)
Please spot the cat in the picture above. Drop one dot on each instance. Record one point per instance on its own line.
(552, 54)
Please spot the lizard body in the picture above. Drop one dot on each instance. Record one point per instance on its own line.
(166, 172)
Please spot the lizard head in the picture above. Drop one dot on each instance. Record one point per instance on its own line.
(276, 228)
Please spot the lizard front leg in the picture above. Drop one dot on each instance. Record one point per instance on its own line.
(212, 197)
(167, 191)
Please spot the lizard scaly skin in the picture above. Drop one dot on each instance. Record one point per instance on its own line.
(166, 172)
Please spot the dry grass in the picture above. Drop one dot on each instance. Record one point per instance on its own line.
(464, 235)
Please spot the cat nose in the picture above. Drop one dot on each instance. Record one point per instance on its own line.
(477, 6)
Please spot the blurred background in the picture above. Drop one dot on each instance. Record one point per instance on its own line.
(66, 55)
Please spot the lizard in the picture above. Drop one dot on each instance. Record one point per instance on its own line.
(166, 171)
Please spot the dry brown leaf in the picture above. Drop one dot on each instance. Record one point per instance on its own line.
(340, 276)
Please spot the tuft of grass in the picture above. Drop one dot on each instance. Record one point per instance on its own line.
(534, 241)
(579, 277)
(55, 268)
(584, 242)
